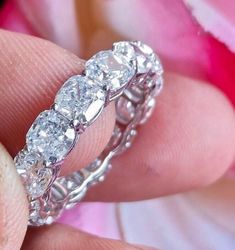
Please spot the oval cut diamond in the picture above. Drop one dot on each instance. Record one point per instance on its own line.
(24, 161)
(37, 181)
(125, 50)
(80, 99)
(109, 70)
(52, 135)
(146, 59)
(36, 177)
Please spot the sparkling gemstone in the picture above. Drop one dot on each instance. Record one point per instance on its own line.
(25, 160)
(52, 135)
(35, 176)
(125, 50)
(80, 99)
(109, 70)
(146, 59)
(38, 181)
(34, 209)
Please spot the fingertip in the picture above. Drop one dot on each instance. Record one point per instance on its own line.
(13, 204)
(188, 142)
(194, 135)
(198, 123)
(71, 238)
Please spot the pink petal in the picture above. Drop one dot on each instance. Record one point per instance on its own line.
(54, 20)
(216, 17)
(11, 18)
(221, 68)
(95, 218)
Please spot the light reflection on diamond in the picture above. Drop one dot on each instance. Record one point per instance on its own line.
(35, 176)
(34, 209)
(80, 99)
(52, 135)
(125, 50)
(109, 69)
(147, 61)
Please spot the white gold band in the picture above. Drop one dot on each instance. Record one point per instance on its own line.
(131, 75)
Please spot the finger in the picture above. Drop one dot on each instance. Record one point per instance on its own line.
(13, 205)
(64, 237)
(31, 72)
(188, 142)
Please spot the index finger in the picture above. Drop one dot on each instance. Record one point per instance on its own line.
(31, 72)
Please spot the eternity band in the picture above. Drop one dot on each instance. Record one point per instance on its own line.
(131, 75)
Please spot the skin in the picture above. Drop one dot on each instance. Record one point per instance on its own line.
(189, 142)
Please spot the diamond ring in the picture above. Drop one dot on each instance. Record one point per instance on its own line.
(130, 75)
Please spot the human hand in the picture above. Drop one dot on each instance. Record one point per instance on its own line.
(187, 143)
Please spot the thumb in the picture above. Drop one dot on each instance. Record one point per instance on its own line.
(72, 239)
(13, 205)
